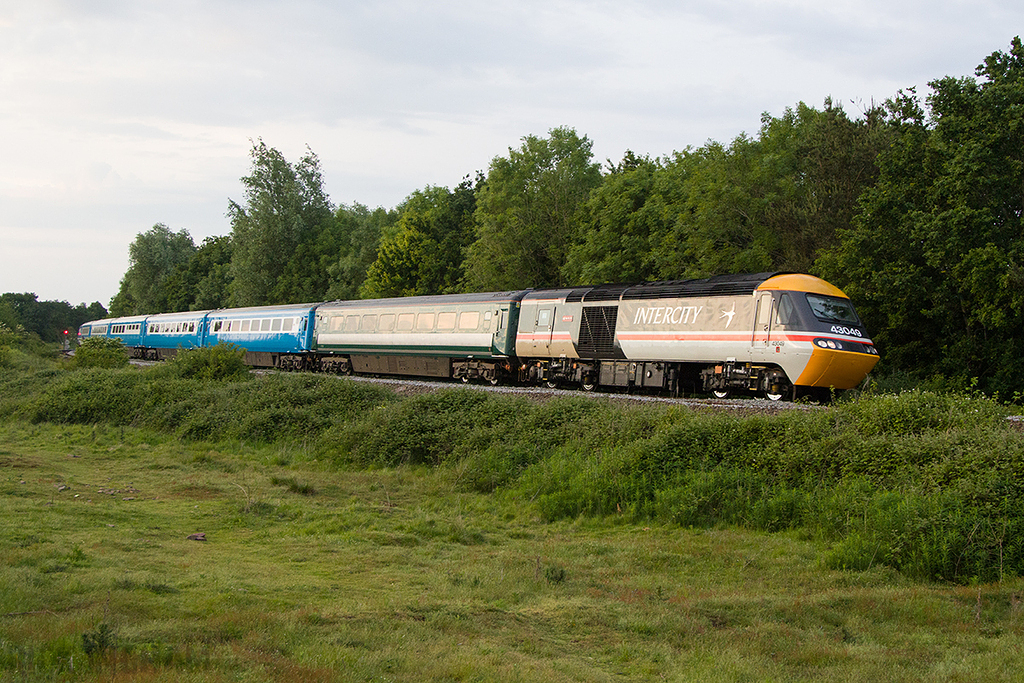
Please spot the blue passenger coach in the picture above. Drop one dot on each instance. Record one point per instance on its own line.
(168, 332)
(272, 336)
(130, 330)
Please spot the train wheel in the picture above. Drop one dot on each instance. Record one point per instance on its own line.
(551, 384)
(588, 384)
(493, 380)
(720, 393)
(771, 396)
(465, 379)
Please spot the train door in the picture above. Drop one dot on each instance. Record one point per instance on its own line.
(544, 329)
(761, 337)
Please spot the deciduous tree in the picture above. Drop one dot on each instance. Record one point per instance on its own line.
(526, 212)
(152, 258)
(285, 235)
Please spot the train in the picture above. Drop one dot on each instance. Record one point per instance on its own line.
(773, 335)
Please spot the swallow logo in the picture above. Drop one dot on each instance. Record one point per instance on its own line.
(729, 314)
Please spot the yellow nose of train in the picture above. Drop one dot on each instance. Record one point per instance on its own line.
(840, 356)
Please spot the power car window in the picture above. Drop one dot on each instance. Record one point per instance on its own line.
(833, 309)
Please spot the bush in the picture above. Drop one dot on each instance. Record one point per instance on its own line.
(101, 352)
(5, 357)
(221, 362)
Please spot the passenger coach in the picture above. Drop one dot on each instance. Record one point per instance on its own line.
(462, 336)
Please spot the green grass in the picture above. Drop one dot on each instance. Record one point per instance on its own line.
(402, 573)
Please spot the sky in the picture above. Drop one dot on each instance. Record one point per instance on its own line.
(116, 115)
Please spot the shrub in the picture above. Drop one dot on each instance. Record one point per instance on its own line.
(221, 362)
(5, 357)
(101, 352)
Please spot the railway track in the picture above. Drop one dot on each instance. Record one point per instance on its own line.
(404, 386)
(411, 387)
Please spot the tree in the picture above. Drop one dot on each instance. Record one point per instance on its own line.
(285, 236)
(47, 320)
(526, 212)
(204, 282)
(424, 251)
(774, 202)
(360, 233)
(619, 223)
(937, 254)
(152, 257)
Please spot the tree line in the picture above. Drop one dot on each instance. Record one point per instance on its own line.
(51, 321)
(914, 207)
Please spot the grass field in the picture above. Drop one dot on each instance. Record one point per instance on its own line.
(312, 571)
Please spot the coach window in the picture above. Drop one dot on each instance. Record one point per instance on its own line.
(265, 325)
(245, 326)
(544, 317)
(405, 321)
(216, 326)
(369, 323)
(386, 322)
(352, 323)
(337, 323)
(275, 325)
(469, 320)
(425, 322)
(446, 320)
(286, 325)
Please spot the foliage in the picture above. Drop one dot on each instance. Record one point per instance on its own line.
(526, 212)
(422, 253)
(774, 202)
(101, 352)
(152, 258)
(203, 282)
(46, 319)
(620, 225)
(360, 233)
(929, 484)
(220, 362)
(285, 234)
(935, 259)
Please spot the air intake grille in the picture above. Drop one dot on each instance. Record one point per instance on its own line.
(597, 332)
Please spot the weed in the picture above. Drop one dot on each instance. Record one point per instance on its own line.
(98, 642)
(554, 574)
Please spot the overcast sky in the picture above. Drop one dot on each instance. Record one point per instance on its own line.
(119, 114)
